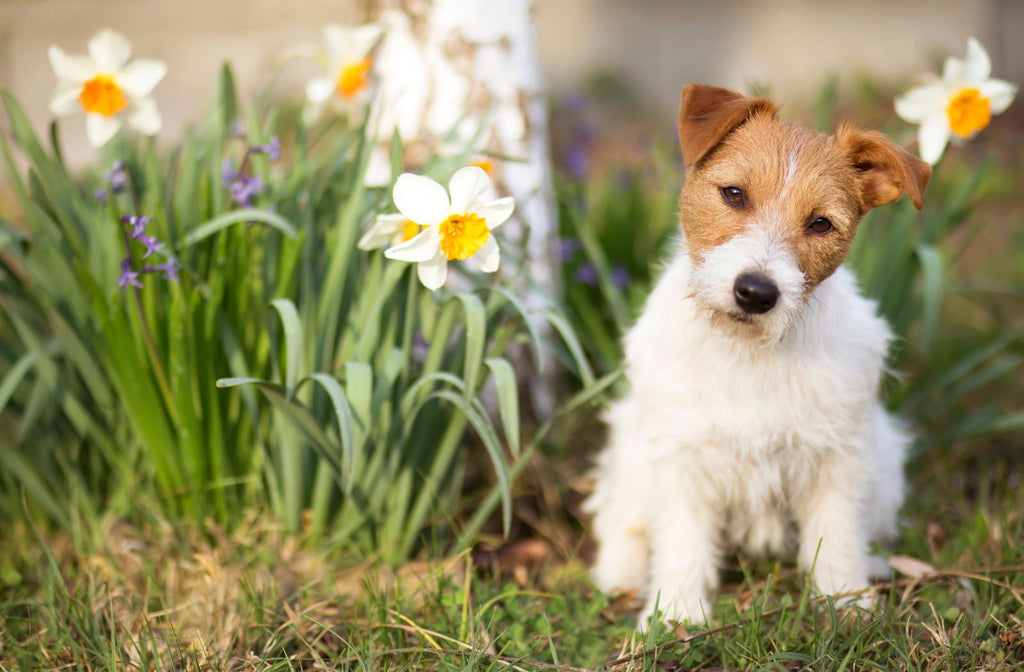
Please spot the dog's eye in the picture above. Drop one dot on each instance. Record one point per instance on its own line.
(734, 196)
(820, 225)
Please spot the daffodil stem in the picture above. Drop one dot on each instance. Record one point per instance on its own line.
(408, 327)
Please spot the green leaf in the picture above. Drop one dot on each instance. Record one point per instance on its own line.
(573, 344)
(207, 229)
(476, 333)
(292, 343)
(508, 399)
(343, 416)
(932, 290)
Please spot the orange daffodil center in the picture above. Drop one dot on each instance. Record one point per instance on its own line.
(968, 112)
(107, 84)
(462, 236)
(101, 95)
(352, 78)
(347, 64)
(956, 106)
(452, 225)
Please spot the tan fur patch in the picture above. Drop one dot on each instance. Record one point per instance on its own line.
(789, 176)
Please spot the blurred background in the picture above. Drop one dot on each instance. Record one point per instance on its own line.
(637, 52)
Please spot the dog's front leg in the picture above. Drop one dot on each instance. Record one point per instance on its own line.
(833, 541)
(684, 557)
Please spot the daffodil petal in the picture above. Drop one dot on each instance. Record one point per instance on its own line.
(381, 233)
(336, 38)
(65, 100)
(1000, 94)
(146, 117)
(361, 40)
(318, 90)
(977, 66)
(488, 257)
(420, 248)
(109, 51)
(99, 129)
(953, 72)
(466, 186)
(421, 199)
(932, 137)
(70, 69)
(141, 76)
(921, 101)
(433, 272)
(496, 212)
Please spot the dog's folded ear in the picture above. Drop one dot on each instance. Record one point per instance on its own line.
(887, 170)
(708, 113)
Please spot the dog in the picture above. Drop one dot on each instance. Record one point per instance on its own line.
(753, 420)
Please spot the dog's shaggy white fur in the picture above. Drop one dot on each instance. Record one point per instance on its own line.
(761, 432)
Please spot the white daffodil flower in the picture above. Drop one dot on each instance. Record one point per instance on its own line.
(459, 227)
(104, 85)
(388, 230)
(347, 64)
(958, 105)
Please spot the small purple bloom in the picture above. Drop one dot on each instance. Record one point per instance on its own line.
(577, 161)
(620, 277)
(138, 224)
(567, 249)
(151, 243)
(227, 170)
(272, 149)
(244, 189)
(587, 274)
(170, 268)
(128, 276)
(116, 179)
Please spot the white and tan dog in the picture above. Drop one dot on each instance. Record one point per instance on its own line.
(753, 419)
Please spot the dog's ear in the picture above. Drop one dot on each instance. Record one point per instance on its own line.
(708, 113)
(887, 170)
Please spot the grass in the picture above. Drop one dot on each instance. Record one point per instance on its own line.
(160, 598)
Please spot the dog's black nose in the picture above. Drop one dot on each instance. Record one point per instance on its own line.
(755, 293)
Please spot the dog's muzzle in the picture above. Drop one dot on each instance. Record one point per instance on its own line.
(754, 293)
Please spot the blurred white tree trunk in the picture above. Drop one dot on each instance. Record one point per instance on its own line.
(472, 67)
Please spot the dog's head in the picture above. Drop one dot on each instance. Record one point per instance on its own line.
(770, 208)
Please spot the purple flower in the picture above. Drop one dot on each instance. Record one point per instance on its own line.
(117, 180)
(567, 248)
(128, 276)
(170, 268)
(577, 160)
(151, 243)
(138, 224)
(227, 171)
(587, 274)
(243, 188)
(272, 149)
(620, 277)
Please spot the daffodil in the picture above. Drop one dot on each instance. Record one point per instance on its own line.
(347, 61)
(388, 230)
(458, 227)
(958, 105)
(104, 85)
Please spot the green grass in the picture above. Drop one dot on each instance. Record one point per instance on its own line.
(159, 598)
